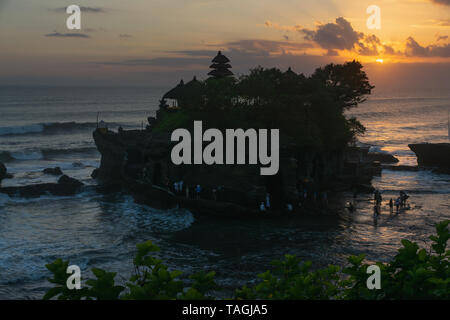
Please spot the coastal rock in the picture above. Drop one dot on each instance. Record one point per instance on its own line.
(4, 172)
(140, 161)
(94, 174)
(66, 186)
(53, 171)
(69, 183)
(401, 168)
(435, 155)
(382, 157)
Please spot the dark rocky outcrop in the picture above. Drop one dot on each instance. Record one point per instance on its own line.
(53, 171)
(4, 173)
(140, 162)
(66, 186)
(401, 168)
(382, 157)
(69, 183)
(436, 155)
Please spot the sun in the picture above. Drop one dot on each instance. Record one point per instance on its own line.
(379, 60)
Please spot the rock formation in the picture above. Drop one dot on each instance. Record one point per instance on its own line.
(140, 161)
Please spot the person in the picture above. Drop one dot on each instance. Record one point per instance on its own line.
(405, 197)
(180, 185)
(268, 200)
(167, 183)
(262, 207)
(175, 187)
(376, 210)
(214, 194)
(378, 198)
(391, 205)
(187, 192)
(219, 193)
(351, 207)
(397, 204)
(198, 189)
(289, 207)
(325, 198)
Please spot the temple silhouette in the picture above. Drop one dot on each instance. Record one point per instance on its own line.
(220, 69)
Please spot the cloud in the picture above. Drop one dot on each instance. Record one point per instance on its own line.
(156, 62)
(266, 47)
(125, 36)
(439, 37)
(414, 49)
(342, 36)
(83, 10)
(196, 62)
(195, 53)
(334, 36)
(67, 35)
(443, 2)
(273, 25)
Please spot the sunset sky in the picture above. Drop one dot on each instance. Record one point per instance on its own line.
(157, 42)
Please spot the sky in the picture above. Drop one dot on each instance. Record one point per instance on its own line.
(158, 42)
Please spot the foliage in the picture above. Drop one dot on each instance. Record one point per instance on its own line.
(151, 281)
(308, 109)
(413, 273)
(169, 121)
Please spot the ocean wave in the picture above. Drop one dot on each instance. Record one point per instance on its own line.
(50, 128)
(44, 154)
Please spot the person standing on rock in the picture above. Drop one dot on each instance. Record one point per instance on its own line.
(325, 198)
(268, 200)
(198, 189)
(262, 207)
(397, 204)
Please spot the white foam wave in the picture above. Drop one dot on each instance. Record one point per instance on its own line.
(27, 155)
(32, 128)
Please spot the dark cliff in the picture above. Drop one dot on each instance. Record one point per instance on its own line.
(141, 162)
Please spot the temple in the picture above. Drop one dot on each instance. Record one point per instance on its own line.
(220, 67)
(174, 98)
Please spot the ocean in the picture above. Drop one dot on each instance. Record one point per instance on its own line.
(44, 127)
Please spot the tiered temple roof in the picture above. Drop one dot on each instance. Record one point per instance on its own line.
(220, 67)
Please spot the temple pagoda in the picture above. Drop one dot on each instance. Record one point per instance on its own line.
(220, 67)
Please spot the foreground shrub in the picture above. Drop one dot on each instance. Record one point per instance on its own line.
(413, 273)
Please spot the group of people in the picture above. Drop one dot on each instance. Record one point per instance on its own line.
(179, 189)
(400, 202)
(316, 196)
(265, 205)
(304, 199)
(196, 191)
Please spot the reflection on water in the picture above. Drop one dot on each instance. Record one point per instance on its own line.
(102, 231)
(98, 230)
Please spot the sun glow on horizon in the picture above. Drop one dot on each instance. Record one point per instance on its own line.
(379, 60)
